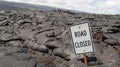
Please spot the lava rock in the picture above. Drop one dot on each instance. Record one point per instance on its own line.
(41, 65)
(112, 41)
(41, 48)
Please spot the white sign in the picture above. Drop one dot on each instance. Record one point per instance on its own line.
(82, 38)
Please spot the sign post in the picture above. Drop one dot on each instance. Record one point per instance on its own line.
(82, 39)
(85, 59)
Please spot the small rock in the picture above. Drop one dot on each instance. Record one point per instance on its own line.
(112, 41)
(41, 48)
(110, 30)
(61, 53)
(41, 65)
(53, 44)
(41, 38)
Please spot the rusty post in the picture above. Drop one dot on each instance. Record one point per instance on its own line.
(85, 59)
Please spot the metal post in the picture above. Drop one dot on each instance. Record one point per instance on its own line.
(85, 59)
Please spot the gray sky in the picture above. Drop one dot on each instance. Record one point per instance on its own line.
(92, 6)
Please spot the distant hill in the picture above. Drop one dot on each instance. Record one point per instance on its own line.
(15, 5)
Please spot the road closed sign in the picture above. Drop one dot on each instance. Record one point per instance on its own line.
(82, 38)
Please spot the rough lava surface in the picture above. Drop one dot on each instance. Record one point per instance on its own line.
(41, 38)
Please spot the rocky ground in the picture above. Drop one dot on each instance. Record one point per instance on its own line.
(41, 38)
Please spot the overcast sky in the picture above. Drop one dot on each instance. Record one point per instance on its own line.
(91, 6)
